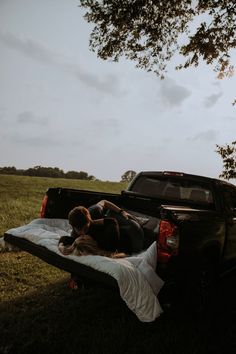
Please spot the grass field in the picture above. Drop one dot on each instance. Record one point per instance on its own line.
(39, 314)
(21, 196)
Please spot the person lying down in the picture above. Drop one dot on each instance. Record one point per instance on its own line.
(83, 246)
(95, 233)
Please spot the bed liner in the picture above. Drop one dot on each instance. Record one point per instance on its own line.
(85, 273)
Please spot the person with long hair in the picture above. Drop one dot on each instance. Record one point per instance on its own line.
(102, 229)
(86, 245)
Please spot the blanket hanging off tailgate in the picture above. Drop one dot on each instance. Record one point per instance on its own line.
(134, 276)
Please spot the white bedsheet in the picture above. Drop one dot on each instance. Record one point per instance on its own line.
(136, 277)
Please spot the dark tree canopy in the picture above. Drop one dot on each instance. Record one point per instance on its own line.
(150, 32)
(228, 154)
(41, 171)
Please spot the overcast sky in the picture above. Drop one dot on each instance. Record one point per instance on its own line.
(63, 107)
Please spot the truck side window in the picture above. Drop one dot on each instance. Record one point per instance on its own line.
(230, 200)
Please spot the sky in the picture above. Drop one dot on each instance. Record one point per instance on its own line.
(62, 106)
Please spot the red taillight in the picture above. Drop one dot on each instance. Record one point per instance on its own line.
(168, 241)
(43, 206)
(172, 173)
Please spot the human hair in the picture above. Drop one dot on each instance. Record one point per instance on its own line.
(85, 245)
(79, 217)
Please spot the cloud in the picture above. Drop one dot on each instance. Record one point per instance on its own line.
(41, 53)
(28, 117)
(173, 94)
(2, 111)
(230, 118)
(106, 123)
(209, 135)
(109, 84)
(41, 140)
(216, 83)
(107, 128)
(211, 100)
(32, 49)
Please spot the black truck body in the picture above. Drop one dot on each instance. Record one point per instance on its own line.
(192, 218)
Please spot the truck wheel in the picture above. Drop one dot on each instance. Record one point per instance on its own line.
(206, 281)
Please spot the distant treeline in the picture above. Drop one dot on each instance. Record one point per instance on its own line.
(40, 171)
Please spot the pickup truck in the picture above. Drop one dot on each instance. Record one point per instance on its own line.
(192, 219)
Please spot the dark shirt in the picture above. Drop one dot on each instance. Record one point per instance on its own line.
(131, 236)
(106, 235)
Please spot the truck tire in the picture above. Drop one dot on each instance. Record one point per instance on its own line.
(206, 281)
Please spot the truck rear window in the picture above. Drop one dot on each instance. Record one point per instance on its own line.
(172, 188)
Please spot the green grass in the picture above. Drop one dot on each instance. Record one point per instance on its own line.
(39, 314)
(21, 196)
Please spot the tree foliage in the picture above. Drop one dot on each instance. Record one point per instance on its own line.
(79, 175)
(40, 171)
(150, 32)
(228, 154)
(128, 176)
